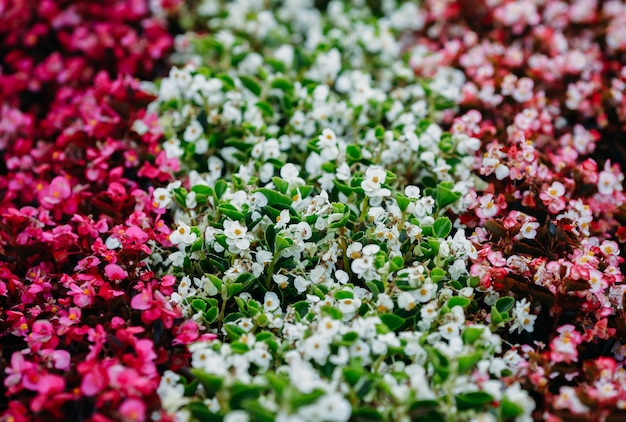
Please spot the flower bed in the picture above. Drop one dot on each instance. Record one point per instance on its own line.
(324, 212)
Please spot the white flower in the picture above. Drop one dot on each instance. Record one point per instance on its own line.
(237, 236)
(426, 292)
(349, 306)
(607, 182)
(290, 173)
(193, 131)
(407, 301)
(182, 235)
(529, 229)
(271, 301)
(317, 347)
(412, 192)
(384, 303)
(375, 176)
(162, 198)
(332, 408)
(364, 265)
(282, 220)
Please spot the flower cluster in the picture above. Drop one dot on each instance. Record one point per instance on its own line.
(541, 86)
(311, 227)
(323, 210)
(75, 221)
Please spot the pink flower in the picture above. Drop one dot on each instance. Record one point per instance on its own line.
(42, 331)
(19, 367)
(114, 272)
(187, 332)
(143, 300)
(58, 191)
(60, 359)
(564, 347)
(553, 197)
(133, 410)
(50, 384)
(95, 378)
(83, 296)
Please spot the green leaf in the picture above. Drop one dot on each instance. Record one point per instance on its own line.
(277, 65)
(234, 288)
(202, 413)
(282, 84)
(504, 304)
(220, 188)
(467, 362)
(211, 383)
(281, 185)
(299, 400)
(366, 414)
(496, 316)
(240, 393)
(350, 336)
(471, 334)
(397, 262)
(344, 294)
(334, 313)
(258, 412)
(403, 201)
(373, 288)
(203, 190)
(434, 245)
(445, 196)
(437, 274)
(282, 243)
(229, 83)
(459, 301)
(216, 281)
(198, 304)
(270, 237)
(211, 314)
(266, 109)
(252, 84)
(231, 212)
(392, 321)
(442, 227)
(276, 381)
(510, 410)
(353, 374)
(439, 361)
(473, 400)
(353, 153)
(234, 331)
(274, 197)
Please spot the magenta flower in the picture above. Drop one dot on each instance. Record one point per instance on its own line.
(114, 272)
(82, 296)
(95, 378)
(42, 331)
(50, 384)
(58, 191)
(133, 410)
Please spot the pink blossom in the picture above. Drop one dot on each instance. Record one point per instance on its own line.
(58, 191)
(50, 384)
(95, 378)
(133, 410)
(82, 296)
(114, 272)
(42, 331)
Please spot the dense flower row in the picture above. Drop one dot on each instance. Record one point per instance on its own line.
(545, 85)
(338, 287)
(75, 221)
